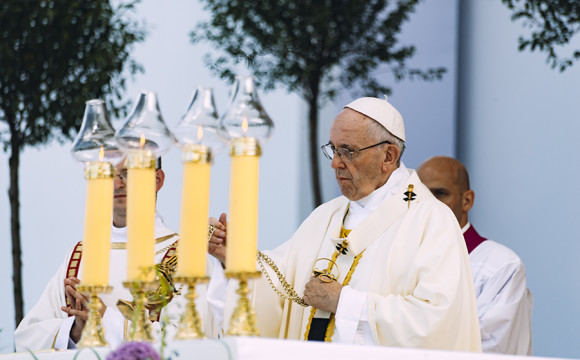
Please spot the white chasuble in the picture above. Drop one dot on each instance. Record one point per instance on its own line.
(412, 286)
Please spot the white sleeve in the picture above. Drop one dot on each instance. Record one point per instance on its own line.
(505, 311)
(216, 293)
(39, 328)
(351, 318)
(63, 340)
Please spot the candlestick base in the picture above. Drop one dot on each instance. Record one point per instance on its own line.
(243, 321)
(140, 329)
(93, 333)
(190, 323)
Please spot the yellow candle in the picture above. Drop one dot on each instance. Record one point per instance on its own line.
(194, 214)
(97, 232)
(243, 215)
(140, 223)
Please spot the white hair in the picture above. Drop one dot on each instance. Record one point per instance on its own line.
(379, 133)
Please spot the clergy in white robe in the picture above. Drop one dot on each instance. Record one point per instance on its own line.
(49, 324)
(390, 265)
(46, 326)
(504, 302)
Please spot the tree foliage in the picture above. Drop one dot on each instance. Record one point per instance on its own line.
(315, 48)
(55, 55)
(553, 24)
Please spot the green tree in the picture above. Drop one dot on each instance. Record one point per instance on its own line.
(553, 24)
(312, 47)
(55, 55)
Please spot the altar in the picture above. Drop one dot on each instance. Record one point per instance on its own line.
(244, 348)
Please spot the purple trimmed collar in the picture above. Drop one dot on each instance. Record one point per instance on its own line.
(472, 238)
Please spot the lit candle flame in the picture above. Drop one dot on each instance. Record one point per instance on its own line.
(142, 141)
(245, 126)
(199, 132)
(101, 153)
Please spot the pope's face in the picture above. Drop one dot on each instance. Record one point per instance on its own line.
(364, 173)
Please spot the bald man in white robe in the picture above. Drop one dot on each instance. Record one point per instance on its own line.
(503, 300)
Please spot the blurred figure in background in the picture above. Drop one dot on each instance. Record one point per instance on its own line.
(503, 301)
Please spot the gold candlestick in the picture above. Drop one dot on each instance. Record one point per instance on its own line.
(140, 327)
(93, 333)
(243, 321)
(248, 125)
(143, 139)
(190, 326)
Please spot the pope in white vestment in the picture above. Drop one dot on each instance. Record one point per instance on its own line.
(46, 326)
(395, 253)
(411, 286)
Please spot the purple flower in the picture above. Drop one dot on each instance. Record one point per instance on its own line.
(134, 351)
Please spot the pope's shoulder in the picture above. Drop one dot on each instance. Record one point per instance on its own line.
(332, 204)
(431, 207)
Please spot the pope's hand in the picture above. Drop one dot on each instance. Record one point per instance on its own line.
(322, 295)
(217, 240)
(77, 307)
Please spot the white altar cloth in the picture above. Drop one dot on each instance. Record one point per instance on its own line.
(246, 348)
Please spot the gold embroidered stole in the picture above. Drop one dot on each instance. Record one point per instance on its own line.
(74, 263)
(339, 250)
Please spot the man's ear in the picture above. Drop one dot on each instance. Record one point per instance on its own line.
(159, 179)
(467, 201)
(391, 157)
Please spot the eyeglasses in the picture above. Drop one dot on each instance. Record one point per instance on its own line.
(343, 153)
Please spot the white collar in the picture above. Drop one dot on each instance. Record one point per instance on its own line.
(466, 227)
(360, 209)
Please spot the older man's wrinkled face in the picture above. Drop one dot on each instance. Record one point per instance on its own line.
(364, 173)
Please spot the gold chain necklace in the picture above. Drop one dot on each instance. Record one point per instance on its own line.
(289, 292)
